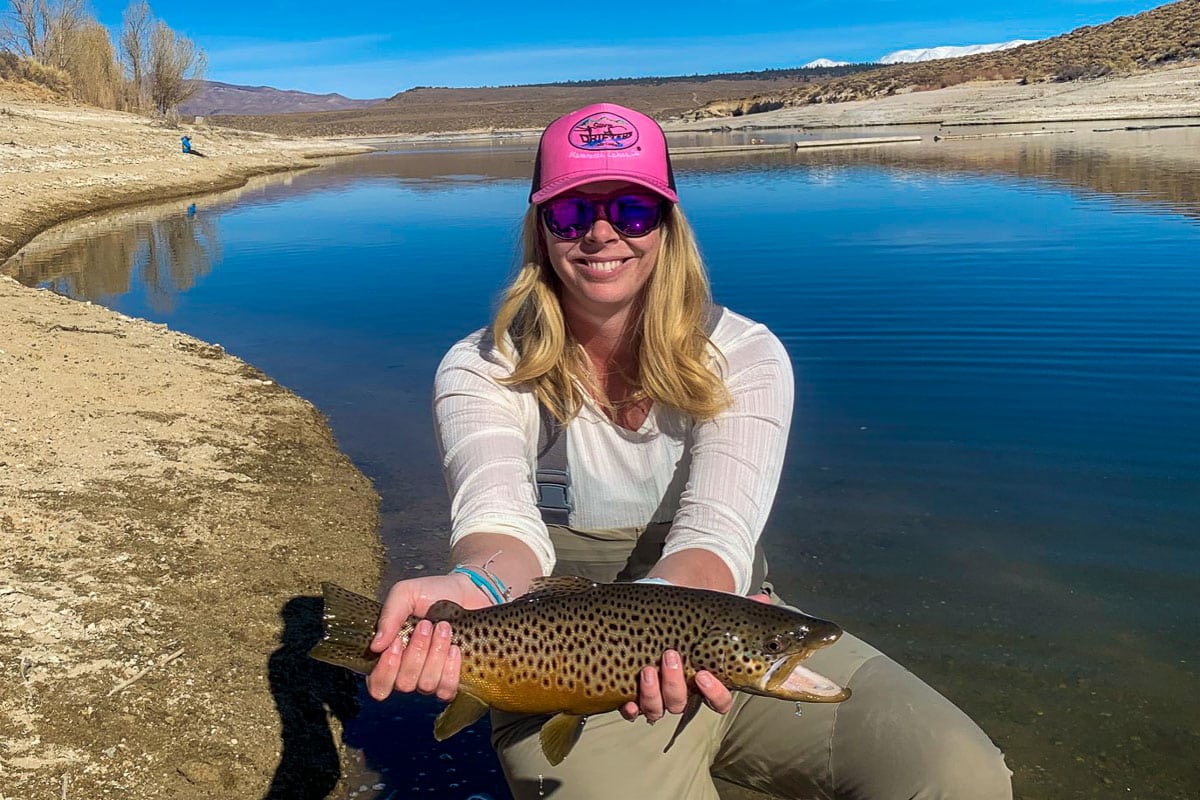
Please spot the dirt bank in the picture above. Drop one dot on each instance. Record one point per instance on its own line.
(167, 512)
(1161, 94)
(59, 161)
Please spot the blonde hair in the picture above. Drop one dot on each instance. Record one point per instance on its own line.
(671, 344)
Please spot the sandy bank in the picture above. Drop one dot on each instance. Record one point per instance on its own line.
(60, 161)
(166, 511)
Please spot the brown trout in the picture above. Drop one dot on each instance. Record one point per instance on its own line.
(571, 647)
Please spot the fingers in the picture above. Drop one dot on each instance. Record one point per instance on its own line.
(674, 685)
(718, 697)
(396, 609)
(428, 664)
(448, 686)
(650, 699)
(429, 677)
(660, 690)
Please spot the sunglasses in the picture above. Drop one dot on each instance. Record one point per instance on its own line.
(633, 215)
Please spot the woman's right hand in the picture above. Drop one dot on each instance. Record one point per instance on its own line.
(428, 663)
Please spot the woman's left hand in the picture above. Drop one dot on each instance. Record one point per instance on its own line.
(665, 689)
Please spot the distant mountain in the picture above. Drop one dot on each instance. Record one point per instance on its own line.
(824, 62)
(227, 98)
(949, 51)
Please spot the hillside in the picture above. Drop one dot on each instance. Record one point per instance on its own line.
(1162, 36)
(428, 110)
(214, 97)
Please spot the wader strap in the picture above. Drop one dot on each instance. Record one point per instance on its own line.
(553, 475)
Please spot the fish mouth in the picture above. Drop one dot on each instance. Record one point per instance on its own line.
(788, 679)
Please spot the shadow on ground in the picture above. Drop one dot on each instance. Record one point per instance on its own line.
(307, 692)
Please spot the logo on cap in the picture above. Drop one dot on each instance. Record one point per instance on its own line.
(603, 131)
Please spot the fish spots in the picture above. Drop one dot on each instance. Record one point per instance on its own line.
(580, 651)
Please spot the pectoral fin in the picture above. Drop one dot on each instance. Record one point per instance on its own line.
(464, 710)
(689, 713)
(559, 735)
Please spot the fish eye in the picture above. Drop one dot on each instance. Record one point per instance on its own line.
(774, 645)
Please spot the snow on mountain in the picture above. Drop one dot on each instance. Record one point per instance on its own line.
(931, 53)
(824, 62)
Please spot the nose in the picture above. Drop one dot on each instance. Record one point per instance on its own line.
(601, 230)
(823, 632)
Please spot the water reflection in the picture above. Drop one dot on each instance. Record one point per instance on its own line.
(169, 248)
(1160, 167)
(161, 256)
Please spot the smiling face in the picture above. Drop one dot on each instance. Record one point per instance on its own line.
(604, 271)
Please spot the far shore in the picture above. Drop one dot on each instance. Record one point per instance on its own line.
(167, 511)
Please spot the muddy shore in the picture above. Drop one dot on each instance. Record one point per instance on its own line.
(167, 511)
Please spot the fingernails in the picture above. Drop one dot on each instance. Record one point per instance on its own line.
(705, 681)
(671, 659)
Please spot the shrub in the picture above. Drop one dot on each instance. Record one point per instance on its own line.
(1075, 72)
(16, 68)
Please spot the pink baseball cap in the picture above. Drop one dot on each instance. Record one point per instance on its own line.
(602, 142)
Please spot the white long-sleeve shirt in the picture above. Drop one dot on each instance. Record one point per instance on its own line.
(714, 480)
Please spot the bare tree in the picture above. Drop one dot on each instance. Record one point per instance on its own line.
(42, 29)
(92, 64)
(175, 69)
(136, 27)
(21, 31)
(61, 24)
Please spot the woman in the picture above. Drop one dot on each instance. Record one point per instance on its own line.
(613, 423)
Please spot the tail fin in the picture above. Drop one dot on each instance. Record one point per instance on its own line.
(349, 628)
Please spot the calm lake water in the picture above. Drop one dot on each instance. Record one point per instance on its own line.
(994, 470)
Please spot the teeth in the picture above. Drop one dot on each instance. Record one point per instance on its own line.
(603, 266)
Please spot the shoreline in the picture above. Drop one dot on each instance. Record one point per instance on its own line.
(137, 466)
(62, 162)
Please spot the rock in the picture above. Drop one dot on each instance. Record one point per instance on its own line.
(200, 772)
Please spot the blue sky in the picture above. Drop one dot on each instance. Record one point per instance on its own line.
(375, 49)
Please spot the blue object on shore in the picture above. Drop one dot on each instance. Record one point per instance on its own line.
(187, 144)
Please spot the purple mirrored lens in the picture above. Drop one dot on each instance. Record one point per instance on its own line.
(630, 214)
(569, 217)
(634, 215)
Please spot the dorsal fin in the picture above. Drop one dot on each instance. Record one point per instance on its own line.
(558, 585)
